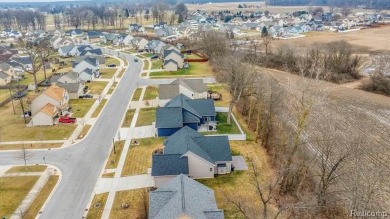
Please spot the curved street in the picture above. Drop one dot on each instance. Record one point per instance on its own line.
(81, 164)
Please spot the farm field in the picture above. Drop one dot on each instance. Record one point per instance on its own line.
(256, 6)
(375, 39)
(357, 119)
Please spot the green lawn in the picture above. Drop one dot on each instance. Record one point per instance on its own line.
(26, 169)
(128, 118)
(111, 60)
(99, 108)
(108, 72)
(157, 64)
(223, 127)
(80, 107)
(96, 87)
(29, 79)
(199, 69)
(12, 192)
(146, 117)
(131, 51)
(137, 200)
(137, 94)
(151, 93)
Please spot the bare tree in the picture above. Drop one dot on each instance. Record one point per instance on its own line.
(238, 75)
(213, 44)
(266, 42)
(33, 51)
(24, 154)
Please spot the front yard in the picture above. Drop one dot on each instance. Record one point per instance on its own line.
(13, 128)
(151, 93)
(110, 60)
(157, 63)
(137, 201)
(108, 72)
(96, 87)
(146, 116)
(80, 107)
(139, 157)
(196, 69)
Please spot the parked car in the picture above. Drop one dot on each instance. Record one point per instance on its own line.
(154, 57)
(67, 119)
(135, 60)
(111, 65)
(86, 96)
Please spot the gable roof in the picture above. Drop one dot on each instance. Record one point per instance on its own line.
(70, 87)
(55, 92)
(169, 117)
(67, 49)
(193, 84)
(92, 51)
(4, 75)
(166, 62)
(169, 165)
(210, 148)
(167, 91)
(168, 52)
(200, 107)
(49, 109)
(183, 197)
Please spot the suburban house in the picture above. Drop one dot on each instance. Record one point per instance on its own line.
(93, 36)
(67, 51)
(127, 40)
(24, 61)
(170, 65)
(87, 62)
(139, 43)
(165, 32)
(154, 46)
(183, 198)
(197, 156)
(70, 77)
(56, 33)
(88, 75)
(4, 78)
(173, 57)
(50, 104)
(192, 88)
(199, 114)
(74, 33)
(75, 90)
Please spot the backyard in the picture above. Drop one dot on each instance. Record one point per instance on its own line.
(223, 127)
(196, 69)
(225, 99)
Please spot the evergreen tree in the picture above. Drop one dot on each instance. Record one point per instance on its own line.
(264, 31)
(127, 13)
(240, 6)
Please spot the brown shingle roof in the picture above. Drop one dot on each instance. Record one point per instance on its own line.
(55, 92)
(49, 109)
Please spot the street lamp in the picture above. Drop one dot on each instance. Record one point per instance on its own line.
(113, 143)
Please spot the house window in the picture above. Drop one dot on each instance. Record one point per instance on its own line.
(211, 169)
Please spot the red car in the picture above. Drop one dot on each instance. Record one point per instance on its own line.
(67, 120)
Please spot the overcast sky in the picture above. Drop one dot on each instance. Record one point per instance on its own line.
(37, 1)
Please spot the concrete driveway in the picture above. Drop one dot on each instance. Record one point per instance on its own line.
(145, 131)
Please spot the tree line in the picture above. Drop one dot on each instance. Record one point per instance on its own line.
(315, 176)
(22, 19)
(376, 4)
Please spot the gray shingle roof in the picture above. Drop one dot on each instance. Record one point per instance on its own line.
(167, 91)
(167, 52)
(70, 87)
(169, 165)
(183, 196)
(210, 148)
(193, 84)
(170, 60)
(169, 117)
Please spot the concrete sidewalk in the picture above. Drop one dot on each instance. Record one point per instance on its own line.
(28, 200)
(115, 185)
(123, 183)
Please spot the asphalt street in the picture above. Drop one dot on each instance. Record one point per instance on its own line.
(82, 163)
